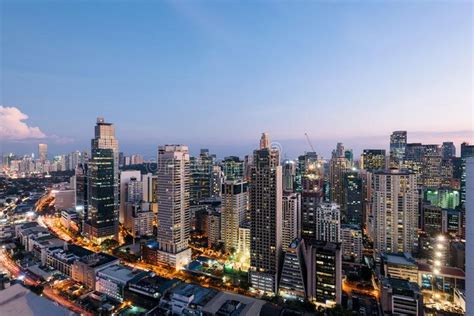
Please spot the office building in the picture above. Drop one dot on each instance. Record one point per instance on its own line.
(324, 270)
(338, 167)
(234, 207)
(328, 222)
(85, 269)
(470, 235)
(398, 142)
(466, 152)
(311, 184)
(102, 216)
(125, 178)
(174, 218)
(352, 208)
(103, 205)
(373, 159)
(266, 217)
(400, 266)
(289, 176)
(291, 221)
(448, 150)
(233, 168)
(293, 280)
(395, 211)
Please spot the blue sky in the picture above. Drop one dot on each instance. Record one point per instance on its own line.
(217, 73)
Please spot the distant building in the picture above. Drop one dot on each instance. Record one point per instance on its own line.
(373, 160)
(214, 228)
(353, 199)
(42, 152)
(398, 142)
(448, 150)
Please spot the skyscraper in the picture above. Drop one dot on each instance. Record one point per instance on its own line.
(293, 281)
(102, 221)
(448, 150)
(328, 222)
(289, 176)
(353, 199)
(338, 167)
(266, 216)
(395, 211)
(398, 142)
(102, 216)
(42, 152)
(373, 159)
(174, 216)
(291, 218)
(233, 208)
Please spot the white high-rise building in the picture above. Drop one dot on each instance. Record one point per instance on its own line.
(266, 217)
(125, 178)
(233, 209)
(328, 222)
(291, 218)
(42, 152)
(351, 242)
(174, 215)
(395, 211)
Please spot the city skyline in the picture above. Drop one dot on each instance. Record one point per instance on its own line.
(321, 69)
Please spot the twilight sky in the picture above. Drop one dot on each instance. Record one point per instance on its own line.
(217, 73)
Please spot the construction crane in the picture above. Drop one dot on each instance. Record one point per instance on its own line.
(309, 142)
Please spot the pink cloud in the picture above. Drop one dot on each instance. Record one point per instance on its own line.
(13, 127)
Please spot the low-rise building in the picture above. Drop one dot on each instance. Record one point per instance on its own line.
(147, 292)
(401, 297)
(85, 269)
(228, 304)
(400, 266)
(112, 280)
(63, 258)
(188, 299)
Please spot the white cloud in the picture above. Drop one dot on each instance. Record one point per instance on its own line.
(13, 127)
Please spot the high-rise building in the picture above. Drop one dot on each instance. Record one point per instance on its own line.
(289, 176)
(351, 242)
(338, 167)
(125, 178)
(373, 159)
(448, 150)
(291, 221)
(266, 216)
(398, 142)
(102, 216)
(103, 206)
(466, 152)
(42, 152)
(395, 211)
(324, 266)
(233, 208)
(328, 222)
(201, 176)
(233, 168)
(174, 218)
(352, 210)
(82, 191)
(293, 280)
(311, 187)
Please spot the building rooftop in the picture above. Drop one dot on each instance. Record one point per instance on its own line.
(17, 300)
(233, 304)
(98, 259)
(122, 273)
(153, 284)
(201, 295)
(399, 259)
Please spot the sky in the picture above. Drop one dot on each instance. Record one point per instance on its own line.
(215, 74)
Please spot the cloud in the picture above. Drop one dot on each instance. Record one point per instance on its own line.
(13, 127)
